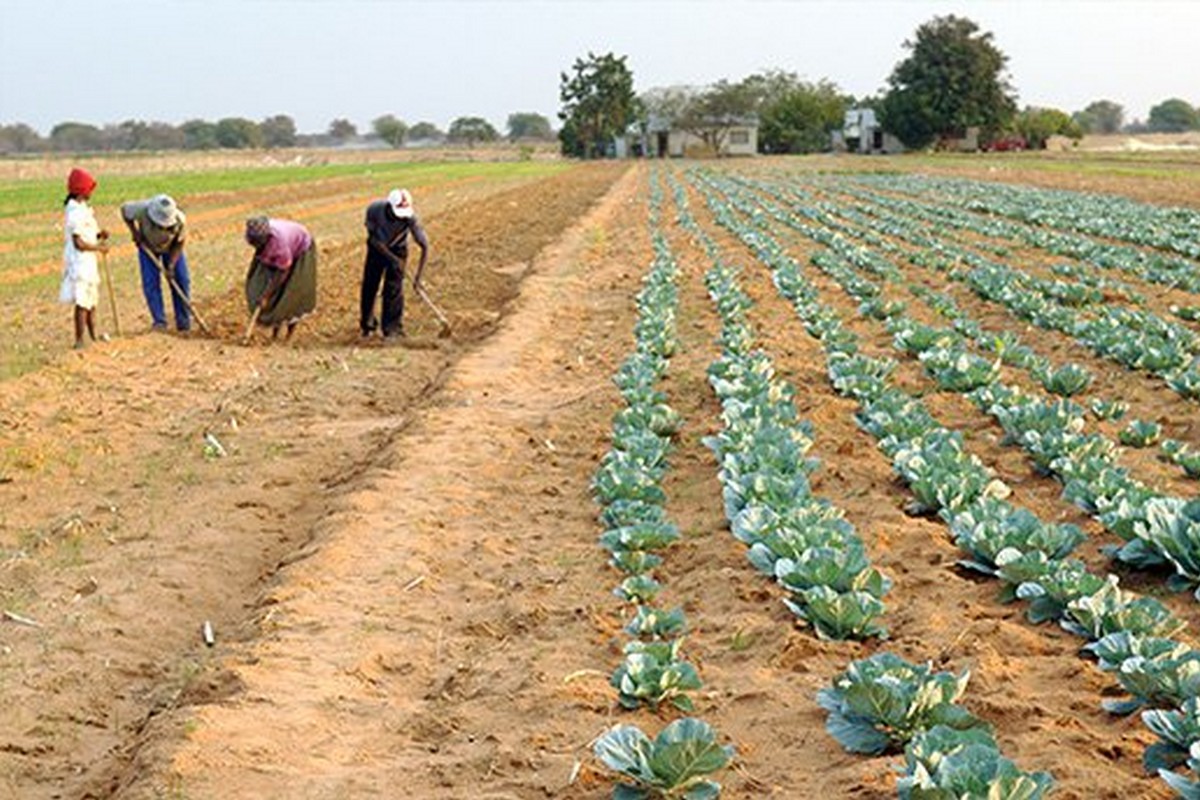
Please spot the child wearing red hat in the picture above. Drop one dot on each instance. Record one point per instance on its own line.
(84, 238)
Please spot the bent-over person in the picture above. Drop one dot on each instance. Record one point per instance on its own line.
(389, 223)
(281, 284)
(159, 229)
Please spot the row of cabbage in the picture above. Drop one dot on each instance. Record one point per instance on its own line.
(801, 540)
(1148, 265)
(1160, 530)
(637, 530)
(1066, 380)
(1174, 230)
(1135, 338)
(883, 703)
(1129, 635)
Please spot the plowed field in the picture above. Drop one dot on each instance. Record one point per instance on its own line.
(398, 553)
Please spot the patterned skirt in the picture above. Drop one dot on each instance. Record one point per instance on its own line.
(296, 299)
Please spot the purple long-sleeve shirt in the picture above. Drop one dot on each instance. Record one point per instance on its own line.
(288, 240)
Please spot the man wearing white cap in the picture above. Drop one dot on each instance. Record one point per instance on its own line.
(159, 229)
(389, 223)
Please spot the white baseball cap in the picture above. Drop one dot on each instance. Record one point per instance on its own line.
(163, 211)
(401, 202)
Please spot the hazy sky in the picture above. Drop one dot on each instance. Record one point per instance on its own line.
(104, 61)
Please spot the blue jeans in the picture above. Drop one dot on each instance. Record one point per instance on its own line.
(152, 289)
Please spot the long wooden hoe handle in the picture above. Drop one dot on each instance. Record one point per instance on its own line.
(175, 288)
(437, 312)
(112, 295)
(250, 327)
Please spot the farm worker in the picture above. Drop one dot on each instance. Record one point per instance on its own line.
(84, 238)
(159, 229)
(388, 224)
(281, 285)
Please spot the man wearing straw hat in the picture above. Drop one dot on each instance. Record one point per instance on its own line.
(389, 223)
(159, 230)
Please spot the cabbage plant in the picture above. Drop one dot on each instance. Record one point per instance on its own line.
(1108, 409)
(675, 765)
(1049, 585)
(655, 623)
(640, 588)
(841, 615)
(1066, 381)
(989, 526)
(956, 370)
(879, 703)
(1170, 531)
(947, 764)
(1177, 730)
(1111, 610)
(1163, 681)
(1140, 433)
(653, 673)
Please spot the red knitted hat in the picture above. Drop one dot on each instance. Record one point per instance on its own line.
(80, 182)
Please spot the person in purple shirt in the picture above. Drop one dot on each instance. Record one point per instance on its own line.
(281, 285)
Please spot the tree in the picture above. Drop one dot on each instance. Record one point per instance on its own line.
(1037, 125)
(199, 134)
(713, 112)
(342, 129)
(470, 130)
(238, 133)
(953, 79)
(799, 118)
(598, 104)
(1102, 116)
(528, 125)
(426, 131)
(1173, 116)
(390, 129)
(278, 131)
(19, 138)
(76, 137)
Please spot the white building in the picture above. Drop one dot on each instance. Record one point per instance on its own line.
(862, 133)
(661, 140)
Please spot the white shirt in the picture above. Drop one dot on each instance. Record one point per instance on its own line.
(80, 221)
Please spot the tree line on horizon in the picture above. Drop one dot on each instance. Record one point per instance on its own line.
(798, 116)
(278, 131)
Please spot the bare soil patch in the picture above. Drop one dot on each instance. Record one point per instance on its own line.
(120, 537)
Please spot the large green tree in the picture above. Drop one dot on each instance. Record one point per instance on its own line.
(1101, 116)
(238, 133)
(598, 104)
(798, 117)
(426, 131)
(19, 138)
(528, 125)
(76, 137)
(471, 130)
(1037, 125)
(953, 79)
(390, 129)
(1173, 116)
(341, 129)
(199, 134)
(278, 131)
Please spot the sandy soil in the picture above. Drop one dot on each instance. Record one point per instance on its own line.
(120, 538)
(398, 555)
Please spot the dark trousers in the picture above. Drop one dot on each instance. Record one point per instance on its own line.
(379, 266)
